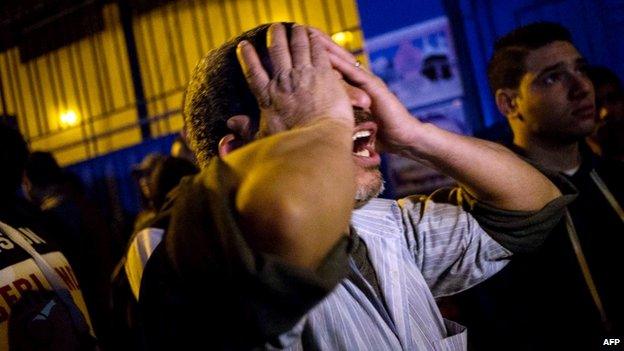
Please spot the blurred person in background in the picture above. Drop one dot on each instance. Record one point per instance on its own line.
(22, 280)
(608, 138)
(126, 279)
(142, 174)
(80, 231)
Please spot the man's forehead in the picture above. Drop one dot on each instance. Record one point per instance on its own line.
(557, 52)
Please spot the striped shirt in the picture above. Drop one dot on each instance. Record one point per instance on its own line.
(419, 250)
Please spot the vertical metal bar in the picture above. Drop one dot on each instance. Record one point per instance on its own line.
(196, 32)
(256, 11)
(52, 79)
(290, 10)
(46, 125)
(170, 45)
(224, 17)
(182, 52)
(103, 65)
(34, 99)
(100, 87)
(17, 90)
(5, 112)
(125, 13)
(342, 19)
(88, 118)
(209, 36)
(79, 105)
(10, 81)
(57, 64)
(327, 15)
(98, 77)
(141, 46)
(122, 70)
(269, 11)
(304, 11)
(237, 19)
(174, 60)
(159, 77)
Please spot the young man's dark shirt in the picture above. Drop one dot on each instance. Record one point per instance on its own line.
(541, 301)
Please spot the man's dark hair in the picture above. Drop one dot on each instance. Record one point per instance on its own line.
(13, 157)
(218, 90)
(507, 66)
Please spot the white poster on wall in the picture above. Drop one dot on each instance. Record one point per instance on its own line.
(419, 64)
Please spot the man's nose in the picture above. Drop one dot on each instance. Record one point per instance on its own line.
(358, 97)
(581, 86)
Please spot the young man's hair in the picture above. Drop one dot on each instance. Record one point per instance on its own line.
(507, 66)
(218, 90)
(13, 157)
(600, 76)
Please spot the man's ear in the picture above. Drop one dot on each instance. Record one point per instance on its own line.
(506, 102)
(241, 133)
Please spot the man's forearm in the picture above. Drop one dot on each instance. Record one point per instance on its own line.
(296, 191)
(490, 172)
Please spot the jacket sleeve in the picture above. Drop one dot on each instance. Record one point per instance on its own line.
(459, 242)
(255, 297)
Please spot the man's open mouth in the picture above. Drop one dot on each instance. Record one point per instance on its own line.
(361, 141)
(364, 139)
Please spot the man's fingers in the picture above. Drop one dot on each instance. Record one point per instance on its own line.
(278, 48)
(320, 57)
(350, 71)
(300, 46)
(254, 72)
(332, 47)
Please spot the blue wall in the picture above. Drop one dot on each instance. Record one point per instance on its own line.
(594, 25)
(378, 17)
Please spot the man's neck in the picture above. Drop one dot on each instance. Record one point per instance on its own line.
(555, 156)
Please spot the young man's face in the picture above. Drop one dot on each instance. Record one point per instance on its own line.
(555, 97)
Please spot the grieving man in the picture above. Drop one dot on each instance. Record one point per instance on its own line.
(280, 241)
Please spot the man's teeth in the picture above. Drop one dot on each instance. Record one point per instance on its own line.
(362, 134)
(363, 153)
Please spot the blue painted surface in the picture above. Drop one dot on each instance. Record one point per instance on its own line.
(109, 184)
(378, 17)
(594, 25)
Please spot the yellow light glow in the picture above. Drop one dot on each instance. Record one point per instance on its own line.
(69, 118)
(343, 39)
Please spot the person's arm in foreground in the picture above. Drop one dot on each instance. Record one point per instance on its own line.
(490, 172)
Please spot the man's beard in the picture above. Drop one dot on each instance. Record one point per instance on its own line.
(370, 190)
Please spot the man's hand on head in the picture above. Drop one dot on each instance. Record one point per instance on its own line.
(396, 123)
(301, 89)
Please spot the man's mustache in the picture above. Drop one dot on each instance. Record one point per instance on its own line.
(362, 116)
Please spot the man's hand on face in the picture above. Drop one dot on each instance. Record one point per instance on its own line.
(396, 123)
(302, 89)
